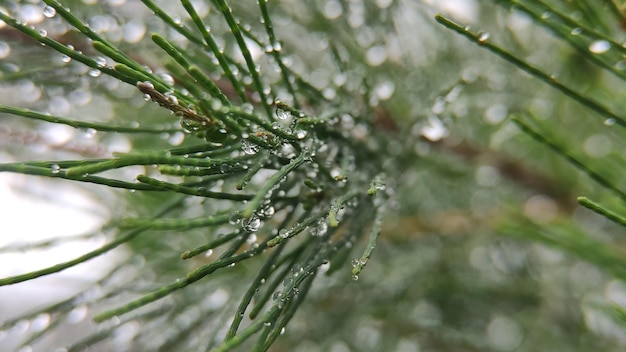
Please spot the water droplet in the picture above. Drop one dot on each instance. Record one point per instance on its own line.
(355, 277)
(301, 134)
(320, 229)
(88, 132)
(324, 267)
(191, 125)
(439, 105)
(376, 55)
(101, 61)
(21, 326)
(171, 98)
(234, 218)
(597, 145)
(609, 122)
(495, 114)
(55, 168)
(384, 90)
(276, 295)
(541, 209)
(576, 31)
(487, 176)
(546, 15)
(283, 114)
(332, 9)
(504, 334)
(149, 85)
(599, 46)
(134, 31)
(77, 314)
(355, 263)
(336, 173)
(453, 94)
(329, 93)
(167, 79)
(268, 211)
(434, 130)
(251, 224)
(94, 72)
(247, 108)
(43, 33)
(347, 121)
(208, 253)
(65, 58)
(282, 330)
(177, 138)
(40, 322)
(49, 11)
(483, 36)
(249, 147)
(5, 50)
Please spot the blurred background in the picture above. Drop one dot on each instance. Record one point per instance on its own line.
(456, 267)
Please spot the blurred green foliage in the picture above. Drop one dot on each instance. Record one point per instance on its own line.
(476, 166)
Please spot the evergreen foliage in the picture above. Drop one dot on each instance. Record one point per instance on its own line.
(311, 176)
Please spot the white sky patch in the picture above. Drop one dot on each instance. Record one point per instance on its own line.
(461, 10)
(34, 209)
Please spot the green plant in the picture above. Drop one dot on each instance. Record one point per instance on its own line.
(277, 179)
(267, 154)
(593, 32)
